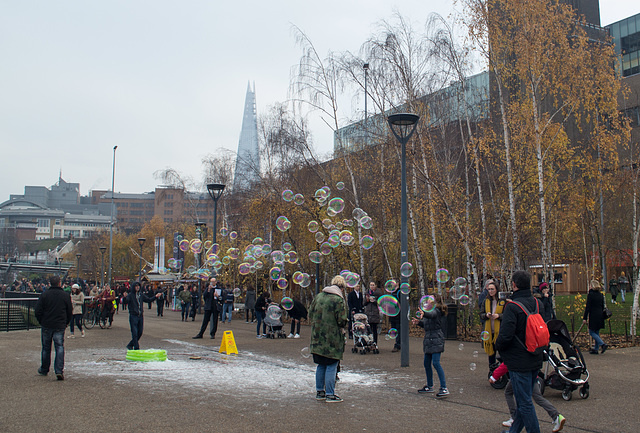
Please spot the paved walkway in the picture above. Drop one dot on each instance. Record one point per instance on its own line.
(269, 387)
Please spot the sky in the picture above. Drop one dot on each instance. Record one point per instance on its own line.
(165, 81)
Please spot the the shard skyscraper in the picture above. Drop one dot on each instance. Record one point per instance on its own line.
(248, 157)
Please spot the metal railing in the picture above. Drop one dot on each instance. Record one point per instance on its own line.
(18, 314)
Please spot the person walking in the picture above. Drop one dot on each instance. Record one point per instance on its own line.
(623, 285)
(210, 311)
(371, 309)
(54, 312)
(136, 300)
(227, 307)
(185, 301)
(261, 311)
(77, 301)
(613, 289)
(356, 305)
(491, 314)
(523, 365)
(160, 300)
(594, 312)
(250, 304)
(433, 346)
(195, 302)
(328, 317)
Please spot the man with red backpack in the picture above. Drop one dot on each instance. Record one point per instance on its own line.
(522, 355)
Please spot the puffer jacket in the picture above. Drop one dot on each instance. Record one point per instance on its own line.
(433, 334)
(328, 317)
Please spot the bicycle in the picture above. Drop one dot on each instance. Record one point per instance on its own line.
(92, 315)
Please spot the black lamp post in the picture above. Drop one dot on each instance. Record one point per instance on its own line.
(215, 191)
(102, 250)
(141, 243)
(78, 265)
(198, 256)
(403, 126)
(366, 129)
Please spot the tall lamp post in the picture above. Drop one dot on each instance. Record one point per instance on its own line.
(215, 191)
(141, 243)
(366, 129)
(403, 125)
(198, 256)
(113, 179)
(102, 250)
(78, 265)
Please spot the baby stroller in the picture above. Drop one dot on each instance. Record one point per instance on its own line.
(273, 320)
(565, 369)
(362, 335)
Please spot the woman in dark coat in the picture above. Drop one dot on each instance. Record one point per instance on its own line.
(371, 309)
(433, 345)
(546, 298)
(594, 311)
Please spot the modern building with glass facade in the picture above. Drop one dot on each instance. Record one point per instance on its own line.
(626, 37)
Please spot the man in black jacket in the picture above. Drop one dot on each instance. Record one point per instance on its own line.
(356, 305)
(136, 300)
(210, 310)
(54, 312)
(523, 365)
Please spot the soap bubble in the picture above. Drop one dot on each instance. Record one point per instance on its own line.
(405, 288)
(244, 268)
(287, 195)
(172, 263)
(313, 226)
(388, 305)
(336, 205)
(214, 248)
(306, 280)
(257, 241)
(316, 257)
(283, 224)
(298, 199)
(291, 257)
(237, 292)
(366, 241)
(287, 303)
(340, 186)
(326, 223)
(406, 269)
(282, 283)
(184, 245)
(428, 303)
(475, 353)
(304, 352)
(358, 214)
(319, 237)
(393, 333)
(233, 235)
(460, 283)
(196, 246)
(334, 240)
(286, 246)
(485, 335)
(226, 260)
(224, 231)
(460, 346)
(464, 300)
(352, 279)
(473, 366)
(325, 248)
(277, 257)
(274, 273)
(297, 277)
(442, 275)
(366, 222)
(207, 245)
(391, 285)
(266, 249)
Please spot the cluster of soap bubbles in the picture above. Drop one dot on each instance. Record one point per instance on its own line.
(289, 196)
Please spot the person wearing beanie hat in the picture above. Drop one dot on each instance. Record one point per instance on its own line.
(545, 296)
(77, 300)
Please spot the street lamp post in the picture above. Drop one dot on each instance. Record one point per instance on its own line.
(102, 250)
(78, 265)
(141, 243)
(366, 129)
(403, 125)
(113, 179)
(198, 256)
(215, 191)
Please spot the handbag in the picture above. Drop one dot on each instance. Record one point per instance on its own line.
(607, 313)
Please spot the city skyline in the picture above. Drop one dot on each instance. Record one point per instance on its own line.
(166, 86)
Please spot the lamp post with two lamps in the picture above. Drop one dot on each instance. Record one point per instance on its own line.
(403, 125)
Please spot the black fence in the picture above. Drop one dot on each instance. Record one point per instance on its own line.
(18, 313)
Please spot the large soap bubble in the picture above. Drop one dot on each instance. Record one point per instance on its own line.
(442, 275)
(388, 305)
(406, 269)
(287, 195)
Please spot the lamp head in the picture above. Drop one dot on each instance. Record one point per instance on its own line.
(141, 241)
(215, 190)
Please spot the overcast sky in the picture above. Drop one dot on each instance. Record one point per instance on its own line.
(163, 80)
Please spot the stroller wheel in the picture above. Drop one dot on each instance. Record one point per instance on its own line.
(567, 394)
(376, 351)
(354, 350)
(362, 351)
(584, 391)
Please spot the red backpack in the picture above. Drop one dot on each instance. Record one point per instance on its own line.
(537, 333)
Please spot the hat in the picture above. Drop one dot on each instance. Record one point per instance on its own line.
(75, 286)
(543, 286)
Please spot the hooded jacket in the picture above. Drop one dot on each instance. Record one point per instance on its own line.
(328, 317)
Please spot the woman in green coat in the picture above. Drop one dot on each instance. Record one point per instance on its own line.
(328, 317)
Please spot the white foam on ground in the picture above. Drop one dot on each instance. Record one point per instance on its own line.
(247, 372)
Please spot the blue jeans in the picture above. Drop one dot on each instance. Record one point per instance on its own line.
(260, 315)
(77, 319)
(57, 336)
(596, 337)
(227, 309)
(326, 378)
(136, 323)
(434, 358)
(525, 415)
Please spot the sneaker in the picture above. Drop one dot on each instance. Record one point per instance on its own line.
(320, 395)
(333, 399)
(83, 334)
(425, 389)
(593, 352)
(59, 376)
(507, 423)
(442, 393)
(604, 348)
(290, 336)
(71, 336)
(296, 336)
(558, 423)
(42, 372)
(246, 321)
(259, 336)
